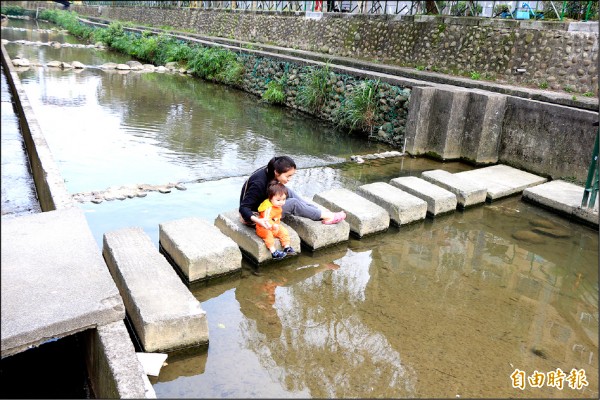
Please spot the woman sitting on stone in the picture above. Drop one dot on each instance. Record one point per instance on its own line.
(254, 192)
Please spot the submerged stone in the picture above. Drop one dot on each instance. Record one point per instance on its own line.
(529, 237)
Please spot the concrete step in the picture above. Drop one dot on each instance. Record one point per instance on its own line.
(199, 249)
(439, 200)
(54, 280)
(316, 235)
(502, 180)
(164, 313)
(246, 238)
(565, 198)
(403, 208)
(364, 216)
(468, 193)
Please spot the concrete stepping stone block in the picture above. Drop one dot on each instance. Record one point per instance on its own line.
(199, 249)
(439, 200)
(468, 193)
(402, 207)
(164, 313)
(364, 216)
(502, 180)
(247, 240)
(316, 235)
(565, 198)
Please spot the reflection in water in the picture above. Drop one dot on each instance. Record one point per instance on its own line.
(447, 307)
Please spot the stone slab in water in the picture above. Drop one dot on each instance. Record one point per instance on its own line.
(199, 249)
(246, 238)
(316, 235)
(164, 313)
(563, 197)
(402, 207)
(439, 200)
(468, 192)
(364, 216)
(502, 180)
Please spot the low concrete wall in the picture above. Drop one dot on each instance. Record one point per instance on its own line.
(485, 128)
(547, 139)
(51, 190)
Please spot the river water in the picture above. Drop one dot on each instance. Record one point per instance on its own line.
(450, 307)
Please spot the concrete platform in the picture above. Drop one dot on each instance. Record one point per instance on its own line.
(468, 192)
(54, 281)
(402, 207)
(564, 198)
(199, 248)
(248, 241)
(165, 314)
(316, 235)
(502, 180)
(439, 200)
(364, 216)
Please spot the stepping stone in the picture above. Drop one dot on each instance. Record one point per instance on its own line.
(199, 248)
(364, 216)
(468, 193)
(439, 200)
(165, 314)
(247, 240)
(315, 234)
(402, 207)
(502, 180)
(563, 197)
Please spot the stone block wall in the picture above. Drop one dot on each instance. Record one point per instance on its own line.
(548, 53)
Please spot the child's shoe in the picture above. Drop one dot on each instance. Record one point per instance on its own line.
(289, 250)
(278, 254)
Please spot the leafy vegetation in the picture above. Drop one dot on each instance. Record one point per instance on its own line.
(275, 93)
(12, 10)
(475, 75)
(360, 108)
(315, 92)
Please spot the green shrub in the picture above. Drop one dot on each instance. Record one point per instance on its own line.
(12, 10)
(316, 88)
(543, 85)
(360, 108)
(275, 93)
(588, 94)
(475, 75)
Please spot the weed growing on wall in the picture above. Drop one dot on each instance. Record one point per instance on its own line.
(360, 108)
(275, 93)
(316, 88)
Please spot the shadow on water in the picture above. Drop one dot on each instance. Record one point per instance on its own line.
(442, 308)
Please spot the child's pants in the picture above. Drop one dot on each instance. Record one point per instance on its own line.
(268, 235)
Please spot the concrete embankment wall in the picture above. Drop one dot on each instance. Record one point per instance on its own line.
(557, 54)
(51, 190)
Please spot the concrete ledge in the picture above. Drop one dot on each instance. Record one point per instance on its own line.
(246, 238)
(316, 235)
(364, 216)
(402, 207)
(165, 315)
(502, 180)
(50, 186)
(113, 367)
(54, 282)
(439, 200)
(468, 193)
(563, 197)
(199, 249)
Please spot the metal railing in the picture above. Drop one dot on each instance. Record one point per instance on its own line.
(493, 9)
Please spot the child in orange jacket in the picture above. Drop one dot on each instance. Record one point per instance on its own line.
(270, 209)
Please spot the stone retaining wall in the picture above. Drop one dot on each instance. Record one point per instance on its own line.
(549, 53)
